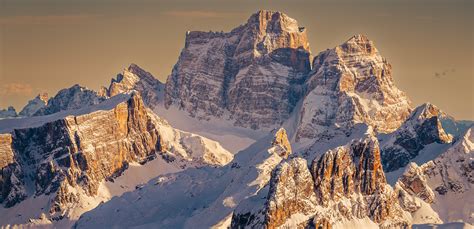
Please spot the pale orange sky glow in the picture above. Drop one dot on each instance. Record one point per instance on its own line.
(49, 45)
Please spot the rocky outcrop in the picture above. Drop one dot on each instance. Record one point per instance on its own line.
(346, 170)
(281, 141)
(422, 128)
(351, 83)
(291, 192)
(75, 97)
(12, 189)
(414, 182)
(343, 184)
(39, 102)
(69, 157)
(135, 78)
(252, 75)
(83, 150)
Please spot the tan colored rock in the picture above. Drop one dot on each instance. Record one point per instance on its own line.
(291, 192)
(6, 151)
(347, 170)
(345, 183)
(281, 139)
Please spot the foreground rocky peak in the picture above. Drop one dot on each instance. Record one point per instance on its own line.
(68, 158)
(346, 170)
(291, 190)
(252, 75)
(344, 184)
(351, 83)
(422, 129)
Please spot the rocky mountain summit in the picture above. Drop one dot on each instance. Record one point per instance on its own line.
(421, 129)
(351, 83)
(135, 78)
(253, 74)
(39, 102)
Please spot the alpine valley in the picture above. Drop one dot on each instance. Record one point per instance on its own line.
(250, 130)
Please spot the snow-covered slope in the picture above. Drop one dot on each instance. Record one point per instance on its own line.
(441, 190)
(194, 198)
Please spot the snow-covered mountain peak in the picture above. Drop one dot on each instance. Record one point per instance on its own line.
(252, 76)
(351, 83)
(40, 101)
(425, 111)
(75, 97)
(423, 129)
(135, 78)
(268, 21)
(428, 118)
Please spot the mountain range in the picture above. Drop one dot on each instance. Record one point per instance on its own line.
(248, 131)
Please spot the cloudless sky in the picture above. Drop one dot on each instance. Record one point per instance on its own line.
(49, 45)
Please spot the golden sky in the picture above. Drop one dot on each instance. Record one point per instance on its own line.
(49, 45)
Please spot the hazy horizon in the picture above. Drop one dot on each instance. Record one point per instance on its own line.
(48, 46)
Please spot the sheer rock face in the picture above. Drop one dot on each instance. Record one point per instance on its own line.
(34, 105)
(252, 75)
(72, 155)
(346, 170)
(75, 97)
(12, 189)
(135, 78)
(422, 128)
(345, 183)
(291, 191)
(351, 83)
(83, 150)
